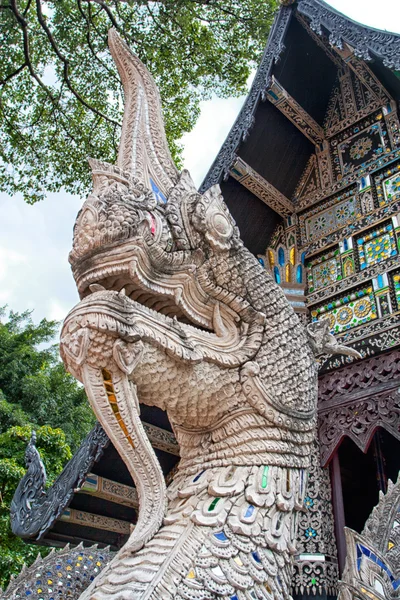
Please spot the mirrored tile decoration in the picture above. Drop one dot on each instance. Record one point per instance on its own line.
(396, 285)
(324, 270)
(332, 215)
(376, 246)
(354, 309)
(387, 185)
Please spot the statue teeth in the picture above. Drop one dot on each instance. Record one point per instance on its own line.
(218, 324)
(96, 287)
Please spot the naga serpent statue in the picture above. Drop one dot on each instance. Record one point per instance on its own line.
(176, 313)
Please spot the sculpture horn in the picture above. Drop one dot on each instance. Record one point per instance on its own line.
(143, 150)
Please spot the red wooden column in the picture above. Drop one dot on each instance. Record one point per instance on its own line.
(338, 510)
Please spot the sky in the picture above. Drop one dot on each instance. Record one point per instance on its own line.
(35, 240)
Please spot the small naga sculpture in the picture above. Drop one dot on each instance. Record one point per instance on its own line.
(176, 313)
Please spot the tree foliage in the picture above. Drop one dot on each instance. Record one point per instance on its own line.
(34, 385)
(35, 394)
(60, 95)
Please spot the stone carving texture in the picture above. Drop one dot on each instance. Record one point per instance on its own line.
(372, 569)
(177, 313)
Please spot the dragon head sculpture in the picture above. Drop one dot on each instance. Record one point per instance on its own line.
(175, 312)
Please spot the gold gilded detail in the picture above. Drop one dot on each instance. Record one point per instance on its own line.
(109, 387)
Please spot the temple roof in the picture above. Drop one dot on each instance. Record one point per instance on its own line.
(301, 54)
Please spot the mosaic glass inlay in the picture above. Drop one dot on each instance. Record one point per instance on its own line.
(333, 217)
(324, 270)
(387, 185)
(326, 273)
(330, 219)
(396, 284)
(376, 246)
(347, 312)
(353, 148)
(391, 187)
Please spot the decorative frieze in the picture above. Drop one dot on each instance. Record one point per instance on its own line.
(284, 102)
(370, 339)
(358, 421)
(356, 400)
(86, 519)
(361, 379)
(110, 490)
(338, 186)
(356, 308)
(330, 216)
(261, 188)
(161, 439)
(359, 225)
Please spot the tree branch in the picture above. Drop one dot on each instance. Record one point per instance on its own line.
(11, 75)
(65, 62)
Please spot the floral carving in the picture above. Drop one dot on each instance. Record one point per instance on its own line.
(360, 147)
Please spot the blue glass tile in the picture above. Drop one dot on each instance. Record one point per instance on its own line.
(261, 261)
(281, 257)
(365, 550)
(358, 563)
(396, 584)
(194, 480)
(277, 275)
(234, 597)
(221, 536)
(373, 557)
(256, 557)
(157, 192)
(28, 592)
(299, 274)
(303, 258)
(249, 511)
(380, 281)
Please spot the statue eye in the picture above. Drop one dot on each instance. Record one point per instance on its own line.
(221, 224)
(218, 224)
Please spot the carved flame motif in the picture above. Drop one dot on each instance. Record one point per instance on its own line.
(176, 313)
